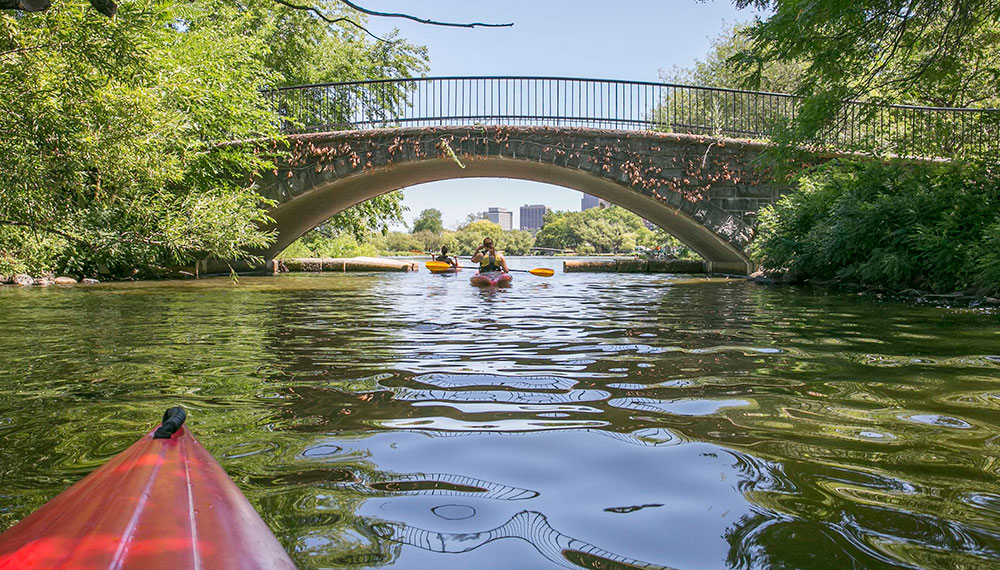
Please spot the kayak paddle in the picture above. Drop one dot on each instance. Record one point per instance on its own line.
(442, 266)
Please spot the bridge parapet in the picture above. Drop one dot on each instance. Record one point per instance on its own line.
(632, 105)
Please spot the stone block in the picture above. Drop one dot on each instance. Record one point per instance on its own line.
(727, 204)
(370, 264)
(716, 192)
(743, 205)
(341, 166)
(303, 264)
(631, 265)
(759, 191)
(685, 266)
(676, 200)
(608, 266)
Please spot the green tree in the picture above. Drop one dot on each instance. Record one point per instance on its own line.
(516, 242)
(597, 230)
(924, 52)
(718, 112)
(109, 129)
(401, 242)
(430, 241)
(107, 133)
(470, 236)
(889, 224)
(719, 67)
(429, 220)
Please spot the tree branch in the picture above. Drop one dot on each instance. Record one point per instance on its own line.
(30, 48)
(321, 15)
(53, 231)
(328, 19)
(422, 20)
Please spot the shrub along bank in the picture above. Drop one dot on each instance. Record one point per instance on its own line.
(896, 225)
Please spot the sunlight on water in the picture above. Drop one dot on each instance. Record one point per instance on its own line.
(585, 421)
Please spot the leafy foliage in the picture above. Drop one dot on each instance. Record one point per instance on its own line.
(896, 224)
(323, 243)
(429, 220)
(109, 128)
(719, 68)
(599, 230)
(107, 137)
(923, 52)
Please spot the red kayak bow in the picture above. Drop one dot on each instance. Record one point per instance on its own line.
(162, 503)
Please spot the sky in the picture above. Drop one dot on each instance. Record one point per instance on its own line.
(627, 39)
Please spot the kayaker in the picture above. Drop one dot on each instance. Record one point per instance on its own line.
(445, 258)
(488, 258)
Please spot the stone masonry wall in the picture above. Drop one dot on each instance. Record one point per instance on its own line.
(712, 180)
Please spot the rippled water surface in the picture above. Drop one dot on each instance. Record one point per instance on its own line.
(595, 421)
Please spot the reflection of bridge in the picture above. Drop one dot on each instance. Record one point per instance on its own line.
(680, 157)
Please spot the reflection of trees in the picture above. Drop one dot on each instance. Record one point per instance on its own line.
(529, 526)
(104, 363)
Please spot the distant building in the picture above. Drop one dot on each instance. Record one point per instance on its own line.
(533, 216)
(501, 217)
(588, 202)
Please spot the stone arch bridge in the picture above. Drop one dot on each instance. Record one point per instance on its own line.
(681, 157)
(702, 190)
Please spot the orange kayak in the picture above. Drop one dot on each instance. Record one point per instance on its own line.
(162, 503)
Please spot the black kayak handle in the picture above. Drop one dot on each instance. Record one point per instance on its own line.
(173, 419)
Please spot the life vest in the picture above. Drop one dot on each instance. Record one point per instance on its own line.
(487, 264)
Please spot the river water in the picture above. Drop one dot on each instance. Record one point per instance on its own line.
(587, 420)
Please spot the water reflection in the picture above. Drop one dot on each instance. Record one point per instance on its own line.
(529, 526)
(624, 421)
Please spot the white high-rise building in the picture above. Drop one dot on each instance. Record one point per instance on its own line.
(501, 217)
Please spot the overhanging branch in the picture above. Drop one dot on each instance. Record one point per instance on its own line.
(319, 14)
(364, 10)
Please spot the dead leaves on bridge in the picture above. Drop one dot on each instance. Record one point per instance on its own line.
(630, 159)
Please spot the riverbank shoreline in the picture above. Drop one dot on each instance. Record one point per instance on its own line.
(318, 264)
(969, 298)
(637, 265)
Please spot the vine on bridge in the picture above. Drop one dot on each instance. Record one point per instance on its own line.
(644, 167)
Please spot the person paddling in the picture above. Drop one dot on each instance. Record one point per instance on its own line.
(445, 258)
(488, 258)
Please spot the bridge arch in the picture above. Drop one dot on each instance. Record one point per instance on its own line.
(661, 177)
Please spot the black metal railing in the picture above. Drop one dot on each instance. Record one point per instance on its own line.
(630, 105)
